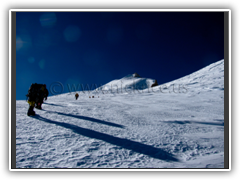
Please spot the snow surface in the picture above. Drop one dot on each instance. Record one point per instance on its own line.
(158, 127)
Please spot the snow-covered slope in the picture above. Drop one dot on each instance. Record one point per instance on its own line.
(137, 129)
(207, 79)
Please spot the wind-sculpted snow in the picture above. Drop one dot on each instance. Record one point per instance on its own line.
(128, 130)
(125, 143)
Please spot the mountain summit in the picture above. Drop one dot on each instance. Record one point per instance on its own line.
(129, 82)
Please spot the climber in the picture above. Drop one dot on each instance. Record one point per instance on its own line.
(76, 96)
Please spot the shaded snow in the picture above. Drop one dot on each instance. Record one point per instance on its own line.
(141, 129)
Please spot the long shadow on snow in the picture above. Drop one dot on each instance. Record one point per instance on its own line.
(88, 119)
(124, 143)
(196, 122)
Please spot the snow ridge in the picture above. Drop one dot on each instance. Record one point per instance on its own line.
(208, 78)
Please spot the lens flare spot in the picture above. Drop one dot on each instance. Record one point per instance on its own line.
(23, 42)
(41, 64)
(48, 19)
(31, 60)
(72, 33)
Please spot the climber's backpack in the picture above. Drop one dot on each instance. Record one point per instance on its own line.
(34, 91)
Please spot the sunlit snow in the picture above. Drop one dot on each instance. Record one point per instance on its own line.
(150, 128)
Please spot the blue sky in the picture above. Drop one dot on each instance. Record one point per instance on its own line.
(97, 47)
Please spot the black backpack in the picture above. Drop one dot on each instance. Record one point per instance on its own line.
(34, 92)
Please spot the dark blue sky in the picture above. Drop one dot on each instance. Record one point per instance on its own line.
(97, 47)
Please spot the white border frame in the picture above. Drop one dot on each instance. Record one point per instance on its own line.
(119, 10)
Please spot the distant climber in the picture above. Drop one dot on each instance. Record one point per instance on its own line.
(36, 95)
(155, 84)
(76, 96)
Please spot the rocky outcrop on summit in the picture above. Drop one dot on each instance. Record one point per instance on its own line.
(136, 75)
(154, 84)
